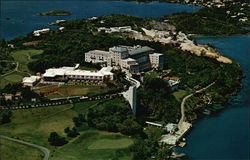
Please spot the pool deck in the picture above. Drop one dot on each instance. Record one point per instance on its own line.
(173, 138)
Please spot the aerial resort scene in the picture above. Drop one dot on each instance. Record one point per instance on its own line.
(124, 79)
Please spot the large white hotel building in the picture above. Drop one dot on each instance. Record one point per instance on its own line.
(133, 59)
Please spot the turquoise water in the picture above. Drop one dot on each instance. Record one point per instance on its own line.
(19, 17)
(225, 136)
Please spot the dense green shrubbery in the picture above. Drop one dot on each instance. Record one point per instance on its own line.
(156, 100)
(114, 117)
(56, 140)
(6, 61)
(5, 116)
(202, 71)
(207, 21)
(26, 94)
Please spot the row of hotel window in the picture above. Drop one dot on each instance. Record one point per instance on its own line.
(86, 77)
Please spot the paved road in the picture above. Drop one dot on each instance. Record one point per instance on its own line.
(185, 99)
(43, 149)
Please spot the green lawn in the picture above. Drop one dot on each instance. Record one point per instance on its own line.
(95, 145)
(180, 94)
(12, 78)
(24, 57)
(111, 143)
(35, 125)
(16, 151)
(74, 90)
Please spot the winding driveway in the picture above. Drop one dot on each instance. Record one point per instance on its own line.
(185, 99)
(43, 149)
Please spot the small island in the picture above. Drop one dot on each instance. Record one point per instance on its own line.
(55, 13)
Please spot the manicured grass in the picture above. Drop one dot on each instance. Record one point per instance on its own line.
(180, 94)
(16, 151)
(12, 78)
(111, 143)
(73, 90)
(24, 57)
(35, 125)
(81, 148)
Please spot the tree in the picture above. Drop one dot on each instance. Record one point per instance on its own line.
(76, 121)
(130, 127)
(56, 140)
(81, 118)
(72, 133)
(66, 130)
(163, 153)
(141, 150)
(5, 116)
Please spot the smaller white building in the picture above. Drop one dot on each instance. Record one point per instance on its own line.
(130, 65)
(60, 21)
(61, 28)
(156, 60)
(64, 74)
(42, 31)
(31, 81)
(97, 56)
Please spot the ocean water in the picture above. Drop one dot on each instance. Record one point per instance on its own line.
(226, 135)
(19, 17)
(223, 137)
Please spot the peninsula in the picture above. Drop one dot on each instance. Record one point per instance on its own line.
(94, 83)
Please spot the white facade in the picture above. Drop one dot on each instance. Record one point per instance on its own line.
(130, 65)
(157, 60)
(115, 29)
(39, 32)
(67, 73)
(97, 56)
(133, 59)
(30, 81)
(117, 54)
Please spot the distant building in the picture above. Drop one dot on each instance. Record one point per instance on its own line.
(42, 31)
(8, 97)
(31, 81)
(172, 81)
(115, 29)
(132, 59)
(61, 28)
(18, 95)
